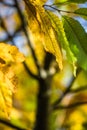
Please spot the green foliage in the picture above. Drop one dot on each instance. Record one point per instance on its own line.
(77, 38)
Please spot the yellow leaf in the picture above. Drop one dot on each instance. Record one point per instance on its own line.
(42, 30)
(9, 53)
(51, 45)
(38, 2)
(8, 81)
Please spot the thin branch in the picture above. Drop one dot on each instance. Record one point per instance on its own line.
(26, 33)
(67, 90)
(57, 9)
(10, 37)
(56, 103)
(29, 71)
(7, 4)
(11, 125)
(81, 88)
(77, 104)
(4, 27)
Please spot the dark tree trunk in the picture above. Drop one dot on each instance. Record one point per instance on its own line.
(43, 98)
(43, 106)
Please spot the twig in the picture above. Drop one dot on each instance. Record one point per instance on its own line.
(9, 37)
(29, 71)
(81, 88)
(4, 27)
(22, 27)
(77, 104)
(56, 103)
(67, 90)
(7, 4)
(57, 9)
(11, 125)
(26, 33)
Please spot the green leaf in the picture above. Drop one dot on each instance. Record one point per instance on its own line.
(77, 40)
(58, 26)
(82, 12)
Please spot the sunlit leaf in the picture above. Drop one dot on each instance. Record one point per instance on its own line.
(41, 27)
(9, 53)
(8, 81)
(58, 26)
(38, 2)
(78, 40)
(51, 42)
(82, 12)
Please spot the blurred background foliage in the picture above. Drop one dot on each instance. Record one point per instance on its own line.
(12, 31)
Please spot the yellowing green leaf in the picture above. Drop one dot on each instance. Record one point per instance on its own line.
(41, 28)
(51, 45)
(58, 26)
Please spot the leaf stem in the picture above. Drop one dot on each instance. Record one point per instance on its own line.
(57, 9)
(26, 33)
